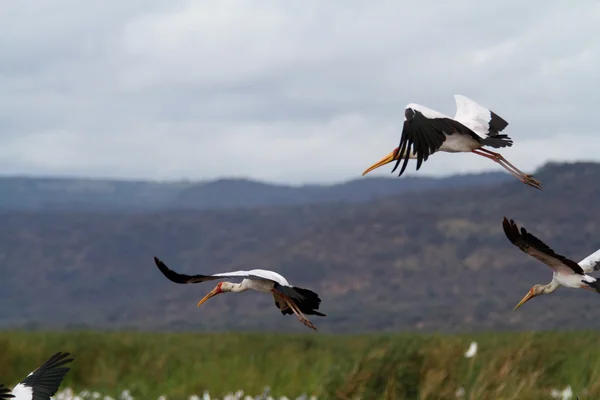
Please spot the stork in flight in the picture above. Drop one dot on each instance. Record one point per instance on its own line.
(288, 299)
(426, 131)
(567, 273)
(42, 383)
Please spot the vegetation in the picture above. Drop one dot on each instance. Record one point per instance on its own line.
(404, 366)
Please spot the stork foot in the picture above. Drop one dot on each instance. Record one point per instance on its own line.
(529, 180)
(306, 322)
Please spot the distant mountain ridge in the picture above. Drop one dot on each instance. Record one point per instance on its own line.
(434, 260)
(22, 193)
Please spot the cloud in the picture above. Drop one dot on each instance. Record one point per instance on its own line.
(284, 91)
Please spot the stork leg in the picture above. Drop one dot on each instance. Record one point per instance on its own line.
(296, 311)
(498, 158)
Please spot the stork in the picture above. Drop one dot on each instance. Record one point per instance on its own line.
(42, 383)
(426, 131)
(288, 299)
(567, 273)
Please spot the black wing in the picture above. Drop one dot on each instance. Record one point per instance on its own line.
(424, 136)
(46, 379)
(536, 248)
(5, 393)
(182, 278)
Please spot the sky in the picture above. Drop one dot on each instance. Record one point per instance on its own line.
(291, 92)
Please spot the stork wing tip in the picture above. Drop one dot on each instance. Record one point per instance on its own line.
(161, 265)
(511, 230)
(5, 393)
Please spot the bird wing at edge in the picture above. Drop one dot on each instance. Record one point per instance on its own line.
(591, 263)
(483, 121)
(424, 136)
(182, 278)
(5, 393)
(536, 248)
(44, 381)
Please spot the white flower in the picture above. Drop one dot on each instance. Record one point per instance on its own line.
(565, 394)
(460, 392)
(472, 351)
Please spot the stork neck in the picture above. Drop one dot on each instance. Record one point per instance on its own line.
(237, 287)
(551, 287)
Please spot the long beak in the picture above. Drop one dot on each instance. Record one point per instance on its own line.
(525, 299)
(214, 292)
(385, 160)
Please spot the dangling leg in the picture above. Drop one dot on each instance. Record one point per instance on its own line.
(512, 171)
(300, 316)
(527, 179)
(296, 311)
(501, 158)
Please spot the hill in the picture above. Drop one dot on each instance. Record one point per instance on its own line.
(424, 260)
(39, 194)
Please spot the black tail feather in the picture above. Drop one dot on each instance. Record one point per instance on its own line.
(306, 300)
(497, 141)
(5, 393)
(594, 285)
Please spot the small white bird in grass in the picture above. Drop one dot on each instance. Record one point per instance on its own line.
(567, 273)
(289, 299)
(426, 131)
(42, 383)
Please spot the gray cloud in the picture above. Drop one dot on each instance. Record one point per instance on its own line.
(290, 92)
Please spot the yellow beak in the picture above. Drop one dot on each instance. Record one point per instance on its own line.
(525, 299)
(385, 160)
(214, 292)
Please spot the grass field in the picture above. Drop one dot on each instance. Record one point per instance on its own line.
(399, 366)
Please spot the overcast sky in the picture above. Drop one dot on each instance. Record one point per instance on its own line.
(286, 91)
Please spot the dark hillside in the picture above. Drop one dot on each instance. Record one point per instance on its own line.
(431, 260)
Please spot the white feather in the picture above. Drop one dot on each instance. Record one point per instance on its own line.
(262, 273)
(572, 280)
(22, 392)
(589, 279)
(588, 263)
(472, 115)
(427, 112)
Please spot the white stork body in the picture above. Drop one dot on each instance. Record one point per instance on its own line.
(426, 131)
(566, 273)
(265, 285)
(42, 383)
(289, 299)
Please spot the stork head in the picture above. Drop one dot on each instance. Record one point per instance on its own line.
(536, 290)
(221, 287)
(393, 156)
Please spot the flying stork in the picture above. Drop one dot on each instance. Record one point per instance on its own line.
(426, 131)
(42, 383)
(567, 273)
(288, 299)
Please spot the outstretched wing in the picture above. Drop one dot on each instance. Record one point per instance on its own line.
(43, 382)
(591, 263)
(259, 274)
(483, 122)
(5, 393)
(536, 248)
(423, 133)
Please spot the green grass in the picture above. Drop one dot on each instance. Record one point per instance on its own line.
(402, 366)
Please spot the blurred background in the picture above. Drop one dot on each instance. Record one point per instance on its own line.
(225, 135)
